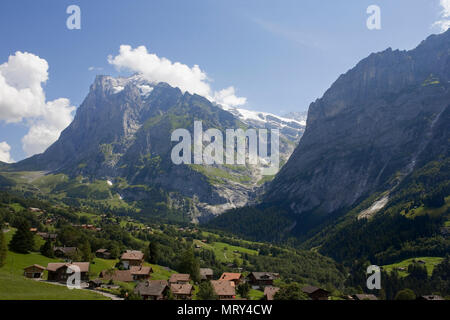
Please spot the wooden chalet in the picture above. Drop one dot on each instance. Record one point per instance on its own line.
(179, 278)
(152, 289)
(262, 279)
(224, 289)
(141, 273)
(35, 271)
(235, 278)
(58, 271)
(206, 274)
(181, 291)
(132, 258)
(316, 293)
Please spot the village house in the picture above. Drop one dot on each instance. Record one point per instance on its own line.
(181, 291)
(364, 297)
(58, 271)
(269, 292)
(33, 230)
(152, 289)
(47, 236)
(132, 258)
(179, 278)
(103, 254)
(235, 278)
(141, 273)
(316, 293)
(206, 274)
(65, 252)
(36, 210)
(35, 271)
(262, 279)
(224, 289)
(116, 275)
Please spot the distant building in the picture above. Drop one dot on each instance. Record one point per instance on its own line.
(262, 279)
(179, 278)
(269, 292)
(132, 258)
(206, 274)
(103, 254)
(224, 289)
(47, 236)
(58, 271)
(65, 252)
(152, 289)
(35, 271)
(363, 296)
(235, 278)
(316, 293)
(181, 291)
(141, 273)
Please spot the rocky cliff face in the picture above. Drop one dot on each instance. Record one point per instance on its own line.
(374, 126)
(121, 133)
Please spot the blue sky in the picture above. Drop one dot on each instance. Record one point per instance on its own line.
(279, 55)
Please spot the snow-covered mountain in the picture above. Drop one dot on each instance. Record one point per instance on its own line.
(290, 128)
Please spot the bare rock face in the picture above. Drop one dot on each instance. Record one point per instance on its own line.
(374, 126)
(122, 133)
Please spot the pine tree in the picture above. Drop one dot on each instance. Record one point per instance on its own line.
(189, 264)
(22, 241)
(47, 249)
(153, 252)
(206, 291)
(86, 252)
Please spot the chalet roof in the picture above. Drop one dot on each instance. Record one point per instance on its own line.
(223, 288)
(117, 275)
(269, 292)
(101, 250)
(132, 255)
(312, 289)
(151, 287)
(138, 270)
(365, 297)
(229, 276)
(265, 275)
(181, 288)
(54, 266)
(66, 250)
(35, 266)
(46, 235)
(184, 277)
(205, 272)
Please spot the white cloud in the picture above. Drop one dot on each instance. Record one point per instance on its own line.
(156, 69)
(228, 98)
(5, 156)
(444, 22)
(22, 99)
(46, 129)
